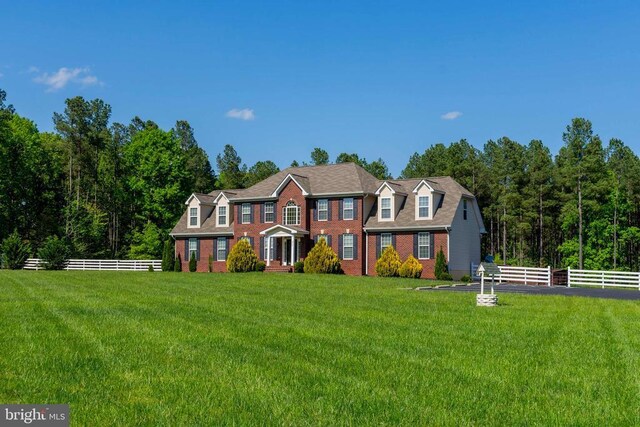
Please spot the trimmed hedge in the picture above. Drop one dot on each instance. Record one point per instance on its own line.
(322, 260)
(53, 253)
(242, 258)
(411, 268)
(14, 252)
(388, 265)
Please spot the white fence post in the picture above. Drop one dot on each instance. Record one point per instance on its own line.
(602, 273)
(568, 277)
(549, 277)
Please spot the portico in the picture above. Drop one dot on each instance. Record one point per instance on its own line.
(288, 238)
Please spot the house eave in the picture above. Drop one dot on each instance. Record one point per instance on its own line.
(203, 234)
(411, 228)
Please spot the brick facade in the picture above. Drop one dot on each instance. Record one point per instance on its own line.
(405, 247)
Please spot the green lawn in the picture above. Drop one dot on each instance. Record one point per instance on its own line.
(187, 349)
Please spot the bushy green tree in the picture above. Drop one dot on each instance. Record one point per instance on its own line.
(14, 251)
(193, 264)
(146, 244)
(411, 268)
(242, 258)
(441, 265)
(388, 265)
(54, 253)
(167, 256)
(322, 259)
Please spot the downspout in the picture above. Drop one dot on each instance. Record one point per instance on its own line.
(448, 239)
(366, 252)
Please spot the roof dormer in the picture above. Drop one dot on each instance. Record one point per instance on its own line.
(199, 206)
(389, 200)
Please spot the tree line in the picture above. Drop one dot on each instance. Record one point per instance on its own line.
(113, 190)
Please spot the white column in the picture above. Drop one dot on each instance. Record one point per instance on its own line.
(293, 248)
(267, 241)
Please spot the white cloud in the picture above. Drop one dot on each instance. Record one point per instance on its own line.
(451, 115)
(244, 114)
(64, 76)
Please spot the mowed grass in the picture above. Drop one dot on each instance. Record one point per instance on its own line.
(206, 349)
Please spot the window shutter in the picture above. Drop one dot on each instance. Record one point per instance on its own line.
(251, 213)
(261, 213)
(261, 248)
(226, 247)
(340, 206)
(315, 211)
(198, 249)
(275, 212)
(340, 241)
(355, 247)
(431, 245)
(215, 249)
(378, 249)
(415, 245)
(239, 214)
(329, 239)
(355, 208)
(186, 250)
(329, 210)
(393, 241)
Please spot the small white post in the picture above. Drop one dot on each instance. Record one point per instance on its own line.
(525, 276)
(493, 280)
(602, 279)
(482, 282)
(293, 246)
(568, 277)
(267, 240)
(549, 278)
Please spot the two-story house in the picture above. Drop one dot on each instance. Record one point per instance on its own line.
(358, 215)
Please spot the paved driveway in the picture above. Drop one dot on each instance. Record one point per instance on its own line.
(624, 294)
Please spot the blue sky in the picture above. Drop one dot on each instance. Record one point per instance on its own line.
(276, 79)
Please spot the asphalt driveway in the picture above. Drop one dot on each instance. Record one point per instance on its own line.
(613, 293)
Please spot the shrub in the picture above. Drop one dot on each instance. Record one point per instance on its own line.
(167, 256)
(210, 263)
(242, 258)
(298, 267)
(441, 265)
(445, 276)
(177, 265)
(261, 266)
(193, 264)
(14, 252)
(465, 279)
(150, 269)
(322, 260)
(53, 253)
(389, 263)
(411, 268)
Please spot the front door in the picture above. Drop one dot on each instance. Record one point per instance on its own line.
(286, 252)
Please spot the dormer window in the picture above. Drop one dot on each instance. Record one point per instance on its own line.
(423, 207)
(291, 214)
(385, 207)
(222, 215)
(193, 217)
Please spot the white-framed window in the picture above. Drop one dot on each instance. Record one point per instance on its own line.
(269, 212)
(423, 206)
(291, 214)
(385, 208)
(323, 209)
(347, 208)
(222, 250)
(246, 213)
(222, 215)
(464, 209)
(193, 217)
(385, 240)
(347, 246)
(193, 248)
(322, 236)
(424, 240)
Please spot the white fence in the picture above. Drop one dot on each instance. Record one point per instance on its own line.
(526, 275)
(616, 279)
(101, 264)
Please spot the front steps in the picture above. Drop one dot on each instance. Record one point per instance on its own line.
(278, 269)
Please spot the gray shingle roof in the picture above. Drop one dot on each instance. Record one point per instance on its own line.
(407, 218)
(208, 227)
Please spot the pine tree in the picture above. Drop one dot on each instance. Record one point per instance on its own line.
(167, 256)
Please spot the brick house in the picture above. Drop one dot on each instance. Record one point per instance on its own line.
(358, 215)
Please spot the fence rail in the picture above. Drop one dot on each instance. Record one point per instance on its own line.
(614, 279)
(100, 264)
